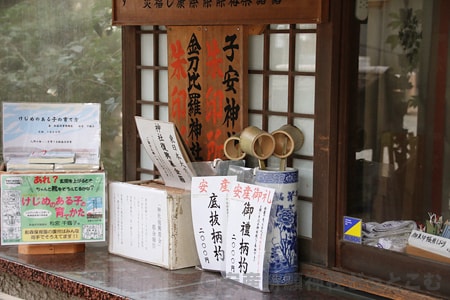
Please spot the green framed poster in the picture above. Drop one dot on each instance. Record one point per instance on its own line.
(52, 208)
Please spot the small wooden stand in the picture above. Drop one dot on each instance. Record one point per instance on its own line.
(52, 248)
(422, 253)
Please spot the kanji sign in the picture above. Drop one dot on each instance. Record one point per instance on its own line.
(207, 98)
(52, 208)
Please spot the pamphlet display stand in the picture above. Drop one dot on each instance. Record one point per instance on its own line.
(52, 184)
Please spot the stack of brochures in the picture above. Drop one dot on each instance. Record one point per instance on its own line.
(20, 163)
(50, 161)
(51, 157)
(51, 137)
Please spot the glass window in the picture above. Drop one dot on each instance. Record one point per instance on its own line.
(400, 142)
(65, 51)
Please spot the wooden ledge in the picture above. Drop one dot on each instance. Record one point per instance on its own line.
(52, 248)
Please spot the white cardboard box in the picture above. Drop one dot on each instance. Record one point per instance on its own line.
(152, 223)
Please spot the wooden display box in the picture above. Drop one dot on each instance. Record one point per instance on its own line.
(152, 223)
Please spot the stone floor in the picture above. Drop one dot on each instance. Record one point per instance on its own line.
(4, 296)
(97, 274)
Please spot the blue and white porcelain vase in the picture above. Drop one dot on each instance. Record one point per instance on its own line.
(282, 229)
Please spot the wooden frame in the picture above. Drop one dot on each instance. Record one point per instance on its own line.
(390, 268)
(149, 12)
(131, 87)
(336, 81)
(133, 102)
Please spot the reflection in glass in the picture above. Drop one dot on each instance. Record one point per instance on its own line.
(399, 169)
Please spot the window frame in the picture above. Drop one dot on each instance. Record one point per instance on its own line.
(388, 267)
(324, 256)
(132, 98)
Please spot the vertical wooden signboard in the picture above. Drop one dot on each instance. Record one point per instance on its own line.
(207, 92)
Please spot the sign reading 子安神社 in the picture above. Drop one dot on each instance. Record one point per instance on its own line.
(218, 12)
(207, 98)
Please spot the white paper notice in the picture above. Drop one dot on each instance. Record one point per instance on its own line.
(429, 242)
(161, 144)
(248, 217)
(140, 227)
(209, 218)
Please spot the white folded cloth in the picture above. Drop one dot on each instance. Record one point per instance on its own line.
(391, 235)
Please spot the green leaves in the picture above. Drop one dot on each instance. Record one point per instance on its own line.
(407, 25)
(64, 51)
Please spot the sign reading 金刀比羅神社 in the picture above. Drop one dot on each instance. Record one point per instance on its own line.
(207, 96)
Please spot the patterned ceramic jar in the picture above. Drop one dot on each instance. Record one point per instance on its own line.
(282, 230)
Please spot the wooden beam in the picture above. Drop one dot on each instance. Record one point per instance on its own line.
(145, 12)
